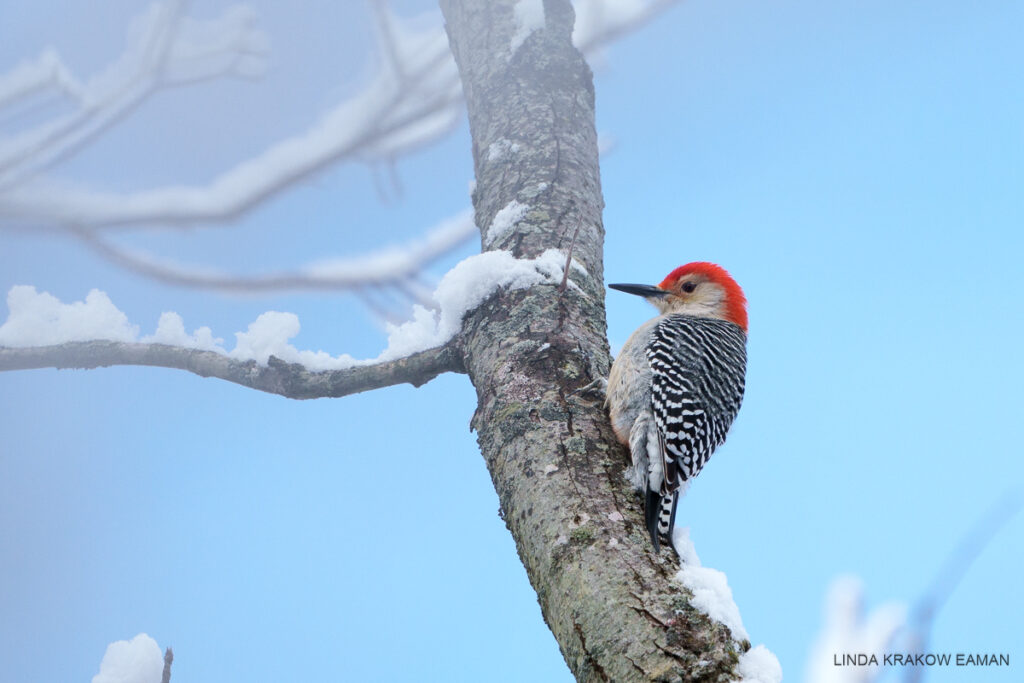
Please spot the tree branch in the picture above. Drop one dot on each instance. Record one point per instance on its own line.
(164, 48)
(389, 117)
(168, 660)
(953, 570)
(392, 266)
(414, 100)
(290, 380)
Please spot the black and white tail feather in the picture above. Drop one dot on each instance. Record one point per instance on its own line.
(698, 367)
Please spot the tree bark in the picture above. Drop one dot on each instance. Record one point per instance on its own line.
(614, 606)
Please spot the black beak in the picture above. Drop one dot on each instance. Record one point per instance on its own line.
(646, 291)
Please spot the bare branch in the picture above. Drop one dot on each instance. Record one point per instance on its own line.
(954, 569)
(290, 380)
(968, 550)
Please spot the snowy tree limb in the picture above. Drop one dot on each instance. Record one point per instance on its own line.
(414, 99)
(290, 380)
(164, 48)
(614, 607)
(396, 267)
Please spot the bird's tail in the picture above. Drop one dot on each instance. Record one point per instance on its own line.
(660, 516)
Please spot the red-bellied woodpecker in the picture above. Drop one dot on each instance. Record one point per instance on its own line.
(677, 384)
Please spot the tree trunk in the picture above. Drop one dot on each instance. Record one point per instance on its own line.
(614, 606)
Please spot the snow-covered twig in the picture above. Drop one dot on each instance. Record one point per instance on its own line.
(354, 129)
(33, 76)
(392, 267)
(291, 380)
(414, 99)
(164, 48)
(38, 319)
(43, 332)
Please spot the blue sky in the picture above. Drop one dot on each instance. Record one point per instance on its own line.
(855, 165)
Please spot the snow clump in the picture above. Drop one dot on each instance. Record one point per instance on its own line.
(712, 596)
(138, 660)
(529, 15)
(40, 319)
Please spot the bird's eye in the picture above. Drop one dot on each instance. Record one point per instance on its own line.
(689, 286)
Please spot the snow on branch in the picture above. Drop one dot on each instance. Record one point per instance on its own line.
(34, 76)
(390, 267)
(414, 98)
(529, 16)
(41, 331)
(131, 661)
(163, 48)
(291, 380)
(712, 596)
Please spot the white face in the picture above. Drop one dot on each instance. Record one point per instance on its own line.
(705, 299)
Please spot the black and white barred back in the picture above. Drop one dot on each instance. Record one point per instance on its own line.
(698, 368)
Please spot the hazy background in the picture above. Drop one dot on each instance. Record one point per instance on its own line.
(855, 165)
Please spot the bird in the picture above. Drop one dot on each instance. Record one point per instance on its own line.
(677, 385)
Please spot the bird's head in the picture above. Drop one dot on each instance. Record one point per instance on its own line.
(699, 289)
